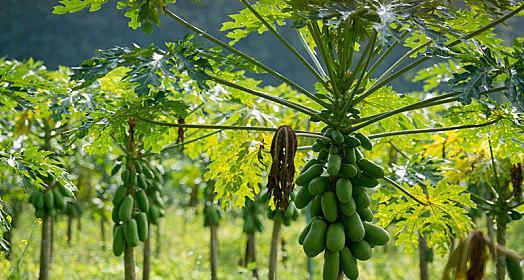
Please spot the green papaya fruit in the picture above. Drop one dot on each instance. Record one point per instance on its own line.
(114, 214)
(303, 197)
(323, 155)
(328, 132)
(119, 195)
(351, 141)
(348, 263)
(375, 235)
(154, 214)
(119, 243)
(133, 179)
(131, 233)
(364, 141)
(314, 242)
(305, 231)
(329, 206)
(348, 171)
(39, 200)
(315, 208)
(335, 237)
(126, 177)
(318, 185)
(138, 166)
(337, 137)
(361, 250)
(351, 156)
(147, 171)
(49, 200)
(116, 168)
(142, 201)
(365, 181)
(65, 191)
(142, 226)
(333, 165)
(331, 267)
(365, 214)
(361, 197)
(349, 208)
(59, 200)
(126, 209)
(141, 182)
(306, 177)
(358, 155)
(40, 212)
(514, 269)
(353, 227)
(344, 190)
(308, 164)
(372, 169)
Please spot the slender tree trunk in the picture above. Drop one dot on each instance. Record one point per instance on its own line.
(157, 249)
(491, 235)
(129, 263)
(69, 228)
(423, 257)
(251, 254)
(501, 240)
(147, 255)
(103, 232)
(273, 253)
(213, 256)
(52, 239)
(79, 226)
(45, 249)
(193, 196)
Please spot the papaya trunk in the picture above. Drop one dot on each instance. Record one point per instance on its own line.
(273, 253)
(423, 258)
(103, 233)
(213, 256)
(129, 263)
(491, 234)
(251, 254)
(45, 249)
(157, 249)
(52, 239)
(69, 228)
(147, 255)
(193, 197)
(501, 240)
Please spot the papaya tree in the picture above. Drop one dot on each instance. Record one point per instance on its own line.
(348, 45)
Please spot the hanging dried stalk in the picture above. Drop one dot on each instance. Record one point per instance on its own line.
(468, 260)
(283, 150)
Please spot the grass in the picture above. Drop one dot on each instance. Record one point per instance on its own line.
(184, 252)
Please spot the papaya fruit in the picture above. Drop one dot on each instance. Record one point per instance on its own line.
(335, 237)
(351, 156)
(347, 171)
(59, 200)
(361, 250)
(154, 214)
(348, 263)
(141, 201)
(317, 146)
(147, 171)
(314, 243)
(40, 212)
(337, 137)
(133, 179)
(514, 269)
(39, 200)
(114, 214)
(365, 214)
(364, 141)
(361, 197)
(119, 195)
(331, 267)
(119, 243)
(49, 200)
(308, 164)
(329, 206)
(65, 191)
(125, 176)
(358, 155)
(344, 190)
(318, 185)
(306, 177)
(141, 182)
(353, 227)
(142, 226)
(323, 155)
(372, 169)
(305, 231)
(315, 208)
(349, 208)
(131, 233)
(138, 166)
(328, 131)
(303, 197)
(365, 181)
(115, 169)
(126, 209)
(333, 164)
(351, 141)
(375, 235)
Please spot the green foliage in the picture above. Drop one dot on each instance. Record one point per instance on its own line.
(443, 217)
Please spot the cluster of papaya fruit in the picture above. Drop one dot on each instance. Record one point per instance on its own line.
(333, 186)
(50, 202)
(137, 203)
(251, 217)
